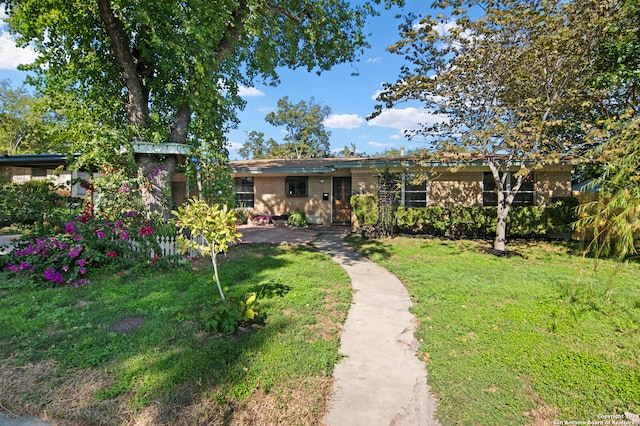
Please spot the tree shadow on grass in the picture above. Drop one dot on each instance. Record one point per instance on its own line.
(169, 370)
(368, 248)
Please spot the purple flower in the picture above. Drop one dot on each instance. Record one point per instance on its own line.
(65, 269)
(70, 228)
(75, 251)
(14, 268)
(81, 262)
(24, 265)
(124, 235)
(52, 275)
(101, 235)
(79, 282)
(83, 271)
(131, 213)
(77, 237)
(27, 251)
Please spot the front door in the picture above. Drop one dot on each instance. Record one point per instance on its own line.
(341, 198)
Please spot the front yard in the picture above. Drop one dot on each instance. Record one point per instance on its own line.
(59, 359)
(547, 337)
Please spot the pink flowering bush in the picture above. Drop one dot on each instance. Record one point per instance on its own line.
(86, 243)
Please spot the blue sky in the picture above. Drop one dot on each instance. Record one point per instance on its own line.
(351, 98)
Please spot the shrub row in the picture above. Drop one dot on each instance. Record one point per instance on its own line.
(28, 203)
(477, 222)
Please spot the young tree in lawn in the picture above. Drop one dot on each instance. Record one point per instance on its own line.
(513, 83)
(216, 225)
(306, 136)
(169, 71)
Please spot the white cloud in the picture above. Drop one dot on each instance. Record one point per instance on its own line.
(249, 91)
(379, 144)
(234, 146)
(343, 121)
(406, 118)
(374, 60)
(12, 56)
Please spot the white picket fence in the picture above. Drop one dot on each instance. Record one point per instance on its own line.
(169, 247)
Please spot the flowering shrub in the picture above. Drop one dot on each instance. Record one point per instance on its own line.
(88, 242)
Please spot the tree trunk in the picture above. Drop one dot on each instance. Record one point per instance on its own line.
(138, 103)
(181, 124)
(156, 195)
(501, 227)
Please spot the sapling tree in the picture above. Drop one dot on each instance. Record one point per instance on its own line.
(211, 230)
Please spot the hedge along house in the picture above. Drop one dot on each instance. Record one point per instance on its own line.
(322, 187)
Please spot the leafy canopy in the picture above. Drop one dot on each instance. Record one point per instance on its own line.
(23, 121)
(305, 137)
(511, 86)
(169, 71)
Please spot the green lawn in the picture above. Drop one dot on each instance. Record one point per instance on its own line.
(546, 337)
(58, 360)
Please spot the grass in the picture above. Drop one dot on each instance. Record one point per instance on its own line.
(550, 336)
(59, 361)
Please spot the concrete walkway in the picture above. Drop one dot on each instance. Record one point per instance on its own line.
(380, 380)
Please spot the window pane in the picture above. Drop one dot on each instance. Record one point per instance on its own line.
(415, 199)
(296, 186)
(244, 192)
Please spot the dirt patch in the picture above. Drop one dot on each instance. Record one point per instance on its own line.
(126, 324)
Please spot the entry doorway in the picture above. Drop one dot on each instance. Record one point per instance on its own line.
(341, 198)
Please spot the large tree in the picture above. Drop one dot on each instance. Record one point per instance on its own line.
(169, 71)
(512, 77)
(305, 136)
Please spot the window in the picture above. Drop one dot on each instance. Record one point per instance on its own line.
(296, 186)
(415, 190)
(524, 197)
(244, 192)
(38, 173)
(403, 189)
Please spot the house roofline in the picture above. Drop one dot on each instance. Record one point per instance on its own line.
(37, 160)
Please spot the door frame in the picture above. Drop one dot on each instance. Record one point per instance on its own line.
(333, 199)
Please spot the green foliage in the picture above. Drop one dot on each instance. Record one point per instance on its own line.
(431, 221)
(171, 72)
(614, 218)
(298, 219)
(117, 191)
(23, 121)
(85, 245)
(365, 208)
(480, 222)
(306, 136)
(226, 316)
(32, 202)
(216, 225)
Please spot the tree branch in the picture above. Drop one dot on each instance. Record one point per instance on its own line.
(138, 104)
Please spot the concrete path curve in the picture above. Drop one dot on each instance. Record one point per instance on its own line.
(380, 380)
